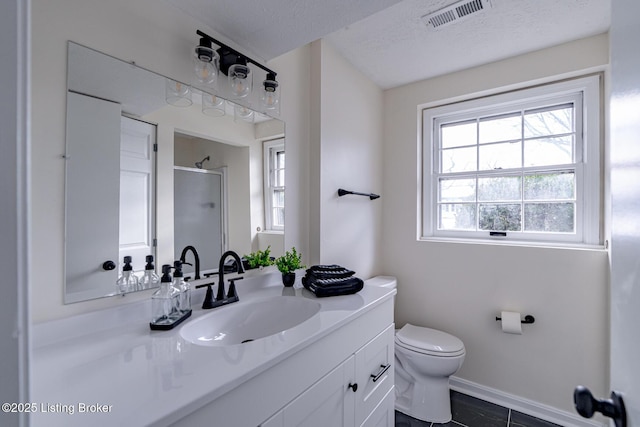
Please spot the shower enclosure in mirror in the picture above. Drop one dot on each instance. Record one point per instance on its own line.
(127, 150)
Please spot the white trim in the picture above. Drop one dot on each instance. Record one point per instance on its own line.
(15, 50)
(585, 93)
(520, 404)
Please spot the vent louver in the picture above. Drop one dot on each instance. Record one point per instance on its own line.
(456, 12)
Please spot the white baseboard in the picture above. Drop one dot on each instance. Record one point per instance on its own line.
(526, 406)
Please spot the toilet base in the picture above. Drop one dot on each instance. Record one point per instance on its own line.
(427, 401)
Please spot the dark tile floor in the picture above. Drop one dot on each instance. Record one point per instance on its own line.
(468, 411)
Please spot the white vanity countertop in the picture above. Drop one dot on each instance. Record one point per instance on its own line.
(113, 361)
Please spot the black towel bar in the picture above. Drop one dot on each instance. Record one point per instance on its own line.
(371, 196)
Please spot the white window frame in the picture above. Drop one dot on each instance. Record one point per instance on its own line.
(270, 149)
(587, 164)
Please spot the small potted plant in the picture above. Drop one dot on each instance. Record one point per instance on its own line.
(259, 259)
(288, 264)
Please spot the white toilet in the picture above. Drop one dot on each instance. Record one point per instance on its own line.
(425, 359)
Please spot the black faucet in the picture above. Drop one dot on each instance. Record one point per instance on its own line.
(221, 298)
(224, 256)
(195, 256)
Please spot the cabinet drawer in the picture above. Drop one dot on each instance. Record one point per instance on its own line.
(374, 373)
(384, 415)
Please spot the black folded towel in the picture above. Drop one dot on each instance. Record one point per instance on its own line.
(336, 288)
(340, 273)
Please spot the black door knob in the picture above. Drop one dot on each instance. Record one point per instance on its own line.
(587, 405)
(108, 265)
(353, 387)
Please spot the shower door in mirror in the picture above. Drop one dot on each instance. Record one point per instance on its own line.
(199, 214)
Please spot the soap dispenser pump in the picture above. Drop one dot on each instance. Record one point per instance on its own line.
(127, 282)
(165, 309)
(184, 300)
(150, 278)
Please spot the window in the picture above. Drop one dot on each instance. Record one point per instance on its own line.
(522, 165)
(274, 185)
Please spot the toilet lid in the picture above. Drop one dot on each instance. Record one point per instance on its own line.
(429, 340)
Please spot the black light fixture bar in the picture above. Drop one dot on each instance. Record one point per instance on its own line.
(235, 52)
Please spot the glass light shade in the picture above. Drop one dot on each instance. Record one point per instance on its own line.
(178, 94)
(205, 63)
(212, 105)
(270, 96)
(243, 113)
(240, 80)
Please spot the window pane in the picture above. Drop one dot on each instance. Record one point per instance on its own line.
(500, 217)
(457, 216)
(556, 186)
(278, 198)
(458, 134)
(459, 160)
(549, 217)
(499, 189)
(501, 156)
(279, 178)
(457, 190)
(548, 151)
(503, 128)
(554, 121)
(278, 217)
(280, 160)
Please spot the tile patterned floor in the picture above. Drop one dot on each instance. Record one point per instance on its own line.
(468, 411)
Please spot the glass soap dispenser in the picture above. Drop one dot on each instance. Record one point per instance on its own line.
(184, 301)
(165, 313)
(150, 278)
(127, 282)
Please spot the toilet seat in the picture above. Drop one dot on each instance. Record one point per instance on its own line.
(429, 341)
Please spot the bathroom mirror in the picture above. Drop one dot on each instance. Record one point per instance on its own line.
(127, 147)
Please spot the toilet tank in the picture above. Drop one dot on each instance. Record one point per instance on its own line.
(382, 281)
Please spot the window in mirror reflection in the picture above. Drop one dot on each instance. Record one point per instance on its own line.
(274, 184)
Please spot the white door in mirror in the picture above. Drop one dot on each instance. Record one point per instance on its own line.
(137, 140)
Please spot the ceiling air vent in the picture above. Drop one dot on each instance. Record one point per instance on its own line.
(456, 12)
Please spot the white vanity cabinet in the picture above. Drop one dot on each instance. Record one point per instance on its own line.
(311, 387)
(359, 392)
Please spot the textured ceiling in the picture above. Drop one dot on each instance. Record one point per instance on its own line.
(269, 28)
(394, 47)
(387, 40)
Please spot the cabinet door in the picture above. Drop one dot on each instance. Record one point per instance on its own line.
(374, 373)
(329, 402)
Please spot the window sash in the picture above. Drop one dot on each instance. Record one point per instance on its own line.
(274, 171)
(582, 93)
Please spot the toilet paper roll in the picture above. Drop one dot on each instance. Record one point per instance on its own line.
(511, 322)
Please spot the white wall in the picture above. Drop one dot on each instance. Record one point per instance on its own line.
(157, 37)
(347, 148)
(460, 288)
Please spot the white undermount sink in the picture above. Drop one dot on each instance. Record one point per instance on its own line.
(240, 322)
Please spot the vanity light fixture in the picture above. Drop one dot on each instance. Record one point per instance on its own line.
(270, 97)
(238, 69)
(178, 94)
(212, 105)
(205, 63)
(243, 113)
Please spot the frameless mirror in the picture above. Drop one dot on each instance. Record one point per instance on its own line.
(149, 175)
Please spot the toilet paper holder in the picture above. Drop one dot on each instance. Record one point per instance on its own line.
(528, 319)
